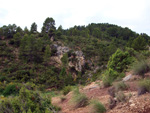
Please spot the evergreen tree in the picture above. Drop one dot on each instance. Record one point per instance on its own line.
(17, 38)
(26, 31)
(139, 43)
(48, 24)
(30, 49)
(33, 28)
(47, 53)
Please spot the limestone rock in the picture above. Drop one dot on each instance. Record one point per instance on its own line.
(128, 77)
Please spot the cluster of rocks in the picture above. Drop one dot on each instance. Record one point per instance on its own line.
(76, 59)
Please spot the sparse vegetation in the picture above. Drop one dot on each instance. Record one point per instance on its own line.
(79, 99)
(67, 89)
(63, 98)
(107, 80)
(121, 97)
(141, 67)
(98, 107)
(144, 86)
(120, 86)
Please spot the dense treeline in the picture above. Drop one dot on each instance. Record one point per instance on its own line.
(25, 55)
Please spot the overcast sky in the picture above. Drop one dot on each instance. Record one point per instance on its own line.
(134, 14)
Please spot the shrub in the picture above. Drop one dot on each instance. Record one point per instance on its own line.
(30, 86)
(107, 80)
(141, 67)
(120, 96)
(79, 99)
(139, 43)
(3, 78)
(98, 107)
(27, 101)
(11, 89)
(120, 86)
(66, 90)
(119, 61)
(144, 86)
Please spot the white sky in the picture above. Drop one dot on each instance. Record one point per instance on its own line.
(134, 14)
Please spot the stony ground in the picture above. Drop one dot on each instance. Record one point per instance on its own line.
(134, 104)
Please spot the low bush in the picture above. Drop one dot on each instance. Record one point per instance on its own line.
(11, 89)
(107, 80)
(120, 96)
(27, 100)
(3, 78)
(120, 86)
(66, 90)
(79, 99)
(141, 67)
(98, 107)
(144, 86)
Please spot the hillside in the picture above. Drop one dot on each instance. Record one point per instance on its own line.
(56, 58)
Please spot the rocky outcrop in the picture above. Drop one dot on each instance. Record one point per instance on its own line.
(76, 59)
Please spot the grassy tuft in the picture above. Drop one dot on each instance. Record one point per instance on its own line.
(98, 107)
(120, 96)
(144, 86)
(120, 86)
(141, 67)
(66, 90)
(79, 99)
(107, 80)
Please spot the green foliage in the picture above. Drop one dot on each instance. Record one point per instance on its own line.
(3, 78)
(98, 107)
(141, 67)
(66, 90)
(64, 59)
(32, 62)
(109, 76)
(17, 38)
(119, 61)
(30, 49)
(33, 28)
(47, 53)
(11, 89)
(9, 31)
(107, 80)
(48, 24)
(79, 99)
(144, 84)
(139, 43)
(27, 101)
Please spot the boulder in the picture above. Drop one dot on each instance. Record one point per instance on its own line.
(127, 78)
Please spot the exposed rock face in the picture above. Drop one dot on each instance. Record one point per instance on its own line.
(76, 60)
(61, 50)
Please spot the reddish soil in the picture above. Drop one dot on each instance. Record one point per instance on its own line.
(135, 104)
